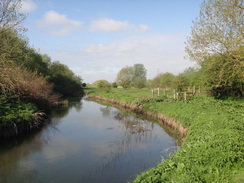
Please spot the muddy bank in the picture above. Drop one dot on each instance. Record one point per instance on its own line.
(171, 124)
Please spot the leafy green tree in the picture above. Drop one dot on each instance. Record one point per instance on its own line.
(104, 85)
(13, 47)
(64, 80)
(232, 83)
(155, 83)
(139, 76)
(217, 37)
(124, 77)
(180, 82)
(166, 80)
(114, 85)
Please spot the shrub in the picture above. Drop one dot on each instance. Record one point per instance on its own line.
(104, 85)
(26, 85)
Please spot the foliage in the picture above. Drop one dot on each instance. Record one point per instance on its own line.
(114, 85)
(13, 110)
(155, 82)
(216, 44)
(139, 76)
(221, 78)
(26, 85)
(217, 30)
(64, 80)
(132, 76)
(166, 80)
(104, 85)
(124, 77)
(180, 82)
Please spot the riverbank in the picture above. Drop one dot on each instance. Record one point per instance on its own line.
(172, 125)
(214, 143)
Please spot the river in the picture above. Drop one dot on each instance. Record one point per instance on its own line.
(86, 142)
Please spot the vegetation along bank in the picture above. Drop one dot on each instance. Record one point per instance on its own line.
(30, 82)
(213, 147)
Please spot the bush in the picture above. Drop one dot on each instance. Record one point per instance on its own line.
(26, 85)
(104, 85)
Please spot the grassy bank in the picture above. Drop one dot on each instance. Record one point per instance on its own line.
(213, 150)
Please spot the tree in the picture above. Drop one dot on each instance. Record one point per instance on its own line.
(180, 82)
(219, 31)
(64, 80)
(124, 77)
(167, 80)
(139, 76)
(104, 85)
(156, 81)
(10, 16)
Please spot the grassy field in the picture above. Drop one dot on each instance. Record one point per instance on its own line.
(213, 150)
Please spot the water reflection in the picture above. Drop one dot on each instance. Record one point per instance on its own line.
(63, 111)
(85, 142)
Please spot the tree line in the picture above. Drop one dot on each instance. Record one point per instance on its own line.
(25, 73)
(216, 45)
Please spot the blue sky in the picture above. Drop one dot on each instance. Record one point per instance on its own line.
(97, 38)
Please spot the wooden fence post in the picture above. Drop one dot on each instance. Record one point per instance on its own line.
(158, 92)
(185, 95)
(152, 94)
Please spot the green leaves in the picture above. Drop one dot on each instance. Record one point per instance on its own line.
(14, 111)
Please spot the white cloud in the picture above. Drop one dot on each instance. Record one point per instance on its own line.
(58, 24)
(28, 6)
(111, 25)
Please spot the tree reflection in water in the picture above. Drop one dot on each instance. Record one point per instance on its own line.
(136, 131)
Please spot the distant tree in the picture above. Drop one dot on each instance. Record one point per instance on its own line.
(216, 42)
(104, 85)
(124, 77)
(114, 85)
(139, 76)
(156, 81)
(149, 83)
(180, 82)
(166, 80)
(195, 77)
(64, 80)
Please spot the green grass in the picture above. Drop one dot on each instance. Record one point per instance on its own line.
(213, 150)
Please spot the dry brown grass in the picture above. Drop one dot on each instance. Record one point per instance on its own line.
(26, 85)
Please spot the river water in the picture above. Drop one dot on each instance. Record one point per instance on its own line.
(86, 142)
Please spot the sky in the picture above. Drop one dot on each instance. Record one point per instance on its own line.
(97, 38)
